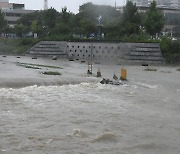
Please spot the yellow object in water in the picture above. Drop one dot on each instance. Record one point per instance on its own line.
(123, 74)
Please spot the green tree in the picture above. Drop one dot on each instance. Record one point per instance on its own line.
(20, 30)
(3, 22)
(61, 29)
(170, 50)
(50, 18)
(65, 16)
(36, 28)
(40, 22)
(89, 10)
(64, 24)
(154, 20)
(27, 19)
(131, 20)
(87, 27)
(86, 20)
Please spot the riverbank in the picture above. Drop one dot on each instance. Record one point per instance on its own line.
(169, 49)
(15, 46)
(21, 71)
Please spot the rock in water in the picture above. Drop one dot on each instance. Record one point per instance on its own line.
(54, 58)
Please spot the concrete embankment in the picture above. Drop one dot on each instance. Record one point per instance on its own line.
(149, 53)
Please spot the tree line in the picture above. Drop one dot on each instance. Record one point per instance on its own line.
(128, 26)
(65, 25)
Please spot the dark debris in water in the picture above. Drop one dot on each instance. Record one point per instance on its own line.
(38, 65)
(34, 57)
(51, 73)
(107, 81)
(150, 69)
(144, 64)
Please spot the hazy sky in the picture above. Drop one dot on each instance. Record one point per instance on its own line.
(72, 5)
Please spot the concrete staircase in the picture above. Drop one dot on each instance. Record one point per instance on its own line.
(144, 53)
(48, 48)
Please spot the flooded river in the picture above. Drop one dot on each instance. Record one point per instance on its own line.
(45, 117)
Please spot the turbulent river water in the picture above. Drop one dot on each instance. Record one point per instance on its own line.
(139, 117)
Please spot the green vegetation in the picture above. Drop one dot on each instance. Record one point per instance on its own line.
(2, 22)
(131, 20)
(16, 46)
(28, 66)
(51, 25)
(150, 69)
(170, 50)
(32, 67)
(51, 73)
(38, 65)
(154, 20)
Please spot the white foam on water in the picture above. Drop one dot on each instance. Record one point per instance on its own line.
(145, 85)
(106, 137)
(178, 91)
(77, 133)
(84, 118)
(3, 150)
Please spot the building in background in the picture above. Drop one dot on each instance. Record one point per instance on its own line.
(12, 16)
(170, 10)
(139, 2)
(5, 5)
(172, 20)
(13, 11)
(160, 3)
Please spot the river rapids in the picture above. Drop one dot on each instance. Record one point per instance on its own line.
(141, 116)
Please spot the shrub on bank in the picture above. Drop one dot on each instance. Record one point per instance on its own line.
(28, 41)
(16, 46)
(170, 50)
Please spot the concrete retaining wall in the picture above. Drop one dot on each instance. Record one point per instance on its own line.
(115, 52)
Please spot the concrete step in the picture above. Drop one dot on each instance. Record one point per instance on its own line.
(46, 49)
(46, 53)
(146, 49)
(155, 58)
(47, 46)
(139, 62)
(145, 53)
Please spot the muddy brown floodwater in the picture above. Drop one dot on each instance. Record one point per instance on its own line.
(75, 114)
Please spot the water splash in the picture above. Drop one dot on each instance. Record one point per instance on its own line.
(106, 137)
(77, 133)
